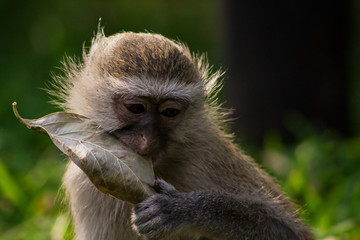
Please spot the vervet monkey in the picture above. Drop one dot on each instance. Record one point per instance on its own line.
(159, 100)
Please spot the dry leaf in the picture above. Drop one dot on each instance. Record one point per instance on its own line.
(112, 167)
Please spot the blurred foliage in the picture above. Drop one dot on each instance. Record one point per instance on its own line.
(321, 171)
(321, 174)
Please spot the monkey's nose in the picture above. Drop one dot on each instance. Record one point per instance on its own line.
(148, 145)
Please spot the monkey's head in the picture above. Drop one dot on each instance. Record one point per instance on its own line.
(144, 88)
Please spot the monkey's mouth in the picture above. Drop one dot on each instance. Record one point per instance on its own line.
(153, 159)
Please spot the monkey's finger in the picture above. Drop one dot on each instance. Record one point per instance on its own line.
(151, 228)
(142, 215)
(161, 186)
(154, 235)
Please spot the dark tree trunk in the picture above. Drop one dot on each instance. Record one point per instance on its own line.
(286, 57)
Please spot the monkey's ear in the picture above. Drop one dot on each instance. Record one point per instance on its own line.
(161, 186)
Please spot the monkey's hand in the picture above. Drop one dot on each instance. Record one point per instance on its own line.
(162, 214)
(215, 215)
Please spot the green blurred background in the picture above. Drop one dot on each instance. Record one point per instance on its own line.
(316, 161)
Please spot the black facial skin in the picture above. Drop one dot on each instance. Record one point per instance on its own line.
(147, 123)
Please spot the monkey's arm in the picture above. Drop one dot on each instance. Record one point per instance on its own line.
(213, 215)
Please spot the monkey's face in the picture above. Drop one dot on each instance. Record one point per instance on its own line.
(145, 89)
(147, 122)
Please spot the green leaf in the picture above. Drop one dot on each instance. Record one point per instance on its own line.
(9, 187)
(110, 165)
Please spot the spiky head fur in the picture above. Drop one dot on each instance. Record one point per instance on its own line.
(141, 64)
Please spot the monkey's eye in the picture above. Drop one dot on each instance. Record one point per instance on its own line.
(170, 112)
(136, 108)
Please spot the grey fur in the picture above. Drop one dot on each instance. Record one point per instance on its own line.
(216, 191)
